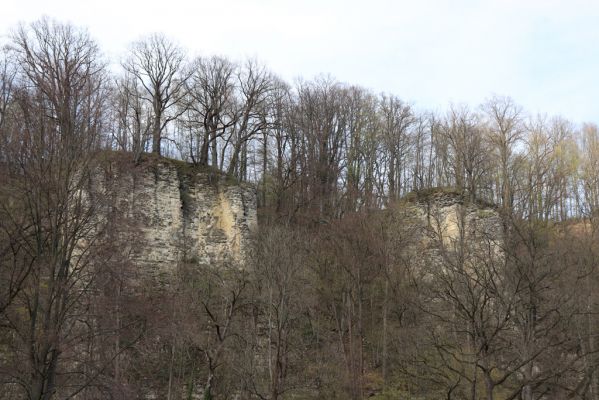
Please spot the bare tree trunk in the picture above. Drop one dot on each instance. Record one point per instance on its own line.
(170, 372)
(156, 135)
(385, 312)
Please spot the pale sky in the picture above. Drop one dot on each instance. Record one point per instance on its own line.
(542, 53)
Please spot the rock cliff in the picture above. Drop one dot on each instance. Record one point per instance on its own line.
(444, 222)
(182, 213)
(451, 216)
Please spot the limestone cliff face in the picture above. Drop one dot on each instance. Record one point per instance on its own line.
(445, 222)
(182, 214)
(452, 218)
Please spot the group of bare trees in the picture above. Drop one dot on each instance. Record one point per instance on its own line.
(55, 250)
(326, 147)
(323, 148)
(341, 297)
(214, 106)
(51, 126)
(344, 148)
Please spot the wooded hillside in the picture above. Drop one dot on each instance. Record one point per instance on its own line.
(346, 292)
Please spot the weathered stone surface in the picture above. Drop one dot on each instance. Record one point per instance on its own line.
(451, 217)
(444, 222)
(184, 214)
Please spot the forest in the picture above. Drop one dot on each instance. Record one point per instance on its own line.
(337, 299)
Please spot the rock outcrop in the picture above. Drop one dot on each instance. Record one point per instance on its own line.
(452, 217)
(182, 213)
(444, 221)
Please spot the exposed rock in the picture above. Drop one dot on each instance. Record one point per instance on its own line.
(183, 213)
(445, 220)
(450, 215)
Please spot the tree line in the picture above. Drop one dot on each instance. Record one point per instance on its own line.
(321, 144)
(340, 297)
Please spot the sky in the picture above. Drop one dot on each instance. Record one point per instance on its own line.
(542, 53)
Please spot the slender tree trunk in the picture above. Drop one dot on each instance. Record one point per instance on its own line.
(156, 138)
(170, 372)
(385, 311)
(490, 386)
(214, 149)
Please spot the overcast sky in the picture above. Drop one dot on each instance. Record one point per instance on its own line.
(542, 53)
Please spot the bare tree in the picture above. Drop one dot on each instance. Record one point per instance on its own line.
(504, 119)
(133, 117)
(158, 65)
(13, 272)
(283, 298)
(8, 72)
(589, 174)
(45, 203)
(255, 84)
(396, 119)
(211, 99)
(466, 150)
